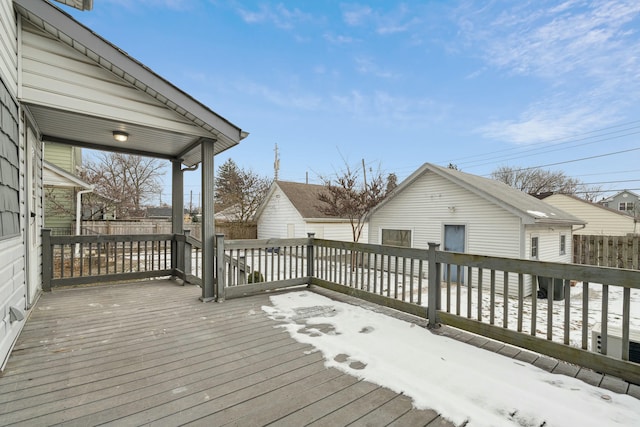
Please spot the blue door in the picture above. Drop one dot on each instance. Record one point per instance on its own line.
(454, 237)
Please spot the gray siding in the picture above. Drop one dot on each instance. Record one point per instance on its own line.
(12, 249)
(8, 46)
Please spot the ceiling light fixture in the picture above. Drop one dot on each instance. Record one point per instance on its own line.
(120, 136)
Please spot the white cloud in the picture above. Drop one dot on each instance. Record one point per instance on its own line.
(588, 50)
(356, 15)
(368, 66)
(398, 20)
(338, 39)
(279, 16)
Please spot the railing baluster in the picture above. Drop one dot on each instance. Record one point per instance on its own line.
(505, 301)
(448, 275)
(626, 312)
(420, 274)
(469, 291)
(411, 274)
(550, 308)
(604, 319)
(480, 294)
(567, 311)
(534, 304)
(492, 298)
(520, 300)
(395, 277)
(458, 289)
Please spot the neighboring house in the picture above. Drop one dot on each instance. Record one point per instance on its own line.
(625, 201)
(62, 83)
(599, 219)
(468, 213)
(62, 196)
(159, 212)
(60, 200)
(290, 210)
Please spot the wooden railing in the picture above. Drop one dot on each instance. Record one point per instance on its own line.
(499, 298)
(75, 260)
(495, 297)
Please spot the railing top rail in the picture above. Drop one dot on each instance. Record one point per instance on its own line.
(376, 249)
(586, 273)
(264, 243)
(61, 240)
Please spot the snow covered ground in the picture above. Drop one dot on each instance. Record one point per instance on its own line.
(463, 383)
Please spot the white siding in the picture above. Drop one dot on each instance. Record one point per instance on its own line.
(8, 46)
(549, 242)
(599, 221)
(336, 231)
(277, 215)
(57, 76)
(431, 202)
(424, 208)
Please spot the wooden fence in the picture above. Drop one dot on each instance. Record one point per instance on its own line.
(231, 230)
(607, 251)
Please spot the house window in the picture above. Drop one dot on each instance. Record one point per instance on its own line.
(9, 166)
(563, 244)
(534, 247)
(396, 238)
(625, 206)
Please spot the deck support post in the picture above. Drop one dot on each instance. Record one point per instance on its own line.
(310, 255)
(208, 225)
(220, 268)
(177, 214)
(433, 294)
(47, 260)
(187, 256)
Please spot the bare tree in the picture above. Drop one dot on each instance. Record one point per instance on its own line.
(349, 196)
(536, 180)
(240, 190)
(130, 181)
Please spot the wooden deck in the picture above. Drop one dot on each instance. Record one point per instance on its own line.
(152, 353)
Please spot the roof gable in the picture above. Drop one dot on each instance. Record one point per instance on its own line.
(303, 197)
(527, 207)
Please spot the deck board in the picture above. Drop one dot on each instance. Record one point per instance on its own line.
(152, 353)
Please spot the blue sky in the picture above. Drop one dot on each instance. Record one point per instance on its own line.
(479, 84)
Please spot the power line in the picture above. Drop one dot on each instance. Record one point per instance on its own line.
(578, 160)
(572, 138)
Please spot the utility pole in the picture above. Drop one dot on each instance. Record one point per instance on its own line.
(276, 163)
(364, 172)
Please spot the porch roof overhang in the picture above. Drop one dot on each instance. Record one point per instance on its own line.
(58, 177)
(84, 130)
